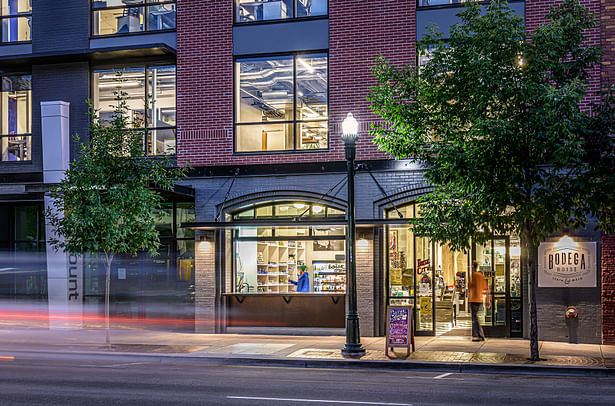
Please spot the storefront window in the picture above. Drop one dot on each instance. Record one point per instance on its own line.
(158, 288)
(111, 17)
(281, 103)
(16, 17)
(22, 252)
(425, 274)
(250, 10)
(270, 259)
(150, 94)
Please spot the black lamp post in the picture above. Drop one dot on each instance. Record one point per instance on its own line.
(353, 347)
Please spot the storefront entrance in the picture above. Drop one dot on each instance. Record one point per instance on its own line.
(434, 280)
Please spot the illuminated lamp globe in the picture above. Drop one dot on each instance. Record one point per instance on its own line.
(350, 127)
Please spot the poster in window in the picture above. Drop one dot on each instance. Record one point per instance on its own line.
(328, 245)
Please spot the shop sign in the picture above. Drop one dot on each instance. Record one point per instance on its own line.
(425, 303)
(567, 263)
(395, 276)
(399, 328)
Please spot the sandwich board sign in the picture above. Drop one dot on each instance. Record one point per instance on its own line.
(399, 328)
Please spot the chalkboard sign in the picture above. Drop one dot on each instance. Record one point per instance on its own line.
(399, 328)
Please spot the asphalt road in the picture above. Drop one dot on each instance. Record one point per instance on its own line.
(31, 379)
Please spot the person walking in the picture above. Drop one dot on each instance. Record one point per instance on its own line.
(478, 291)
(303, 283)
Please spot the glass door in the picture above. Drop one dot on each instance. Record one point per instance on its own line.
(493, 262)
(424, 280)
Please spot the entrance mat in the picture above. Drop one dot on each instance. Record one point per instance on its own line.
(157, 348)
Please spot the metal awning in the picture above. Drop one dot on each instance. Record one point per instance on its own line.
(213, 225)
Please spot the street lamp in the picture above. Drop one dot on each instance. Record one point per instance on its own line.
(353, 346)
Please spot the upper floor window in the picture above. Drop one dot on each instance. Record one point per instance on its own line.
(16, 16)
(426, 3)
(263, 10)
(150, 95)
(16, 118)
(129, 16)
(281, 103)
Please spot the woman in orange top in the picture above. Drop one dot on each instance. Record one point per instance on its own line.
(478, 289)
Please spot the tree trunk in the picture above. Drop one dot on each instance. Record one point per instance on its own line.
(529, 262)
(107, 290)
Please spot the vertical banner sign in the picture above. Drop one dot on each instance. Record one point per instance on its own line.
(567, 264)
(399, 328)
(75, 280)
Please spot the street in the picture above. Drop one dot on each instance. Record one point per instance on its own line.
(65, 379)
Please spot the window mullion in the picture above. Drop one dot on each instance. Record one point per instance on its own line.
(295, 129)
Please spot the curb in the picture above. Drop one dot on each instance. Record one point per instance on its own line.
(392, 365)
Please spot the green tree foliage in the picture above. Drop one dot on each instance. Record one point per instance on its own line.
(494, 117)
(107, 201)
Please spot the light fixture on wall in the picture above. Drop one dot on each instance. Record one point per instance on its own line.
(204, 244)
(566, 243)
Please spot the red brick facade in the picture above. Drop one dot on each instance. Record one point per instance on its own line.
(607, 26)
(608, 289)
(358, 32)
(535, 12)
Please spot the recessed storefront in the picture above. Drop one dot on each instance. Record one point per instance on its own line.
(434, 280)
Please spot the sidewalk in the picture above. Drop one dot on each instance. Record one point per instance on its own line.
(446, 353)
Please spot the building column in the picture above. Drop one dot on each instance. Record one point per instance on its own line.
(365, 280)
(608, 289)
(64, 270)
(205, 282)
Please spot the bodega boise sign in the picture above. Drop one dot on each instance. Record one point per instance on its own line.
(567, 263)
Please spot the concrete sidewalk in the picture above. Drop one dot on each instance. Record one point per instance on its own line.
(447, 353)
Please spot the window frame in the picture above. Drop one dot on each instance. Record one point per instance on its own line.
(24, 161)
(145, 129)
(18, 15)
(459, 4)
(295, 122)
(279, 20)
(145, 4)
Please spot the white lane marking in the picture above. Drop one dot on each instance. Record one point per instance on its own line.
(318, 401)
(443, 375)
(115, 365)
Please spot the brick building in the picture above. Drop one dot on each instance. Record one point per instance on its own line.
(252, 96)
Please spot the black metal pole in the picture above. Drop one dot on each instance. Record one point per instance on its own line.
(353, 345)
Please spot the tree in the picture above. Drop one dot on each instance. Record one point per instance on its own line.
(494, 117)
(107, 203)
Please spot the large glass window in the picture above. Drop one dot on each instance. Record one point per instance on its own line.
(263, 10)
(16, 16)
(150, 95)
(16, 118)
(129, 16)
(281, 103)
(271, 259)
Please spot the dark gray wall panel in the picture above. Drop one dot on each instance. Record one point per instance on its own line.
(446, 17)
(60, 25)
(131, 41)
(65, 82)
(281, 37)
(15, 49)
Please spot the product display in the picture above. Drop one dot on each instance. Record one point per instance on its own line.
(277, 262)
(329, 277)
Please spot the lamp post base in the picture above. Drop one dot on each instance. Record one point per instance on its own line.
(353, 350)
